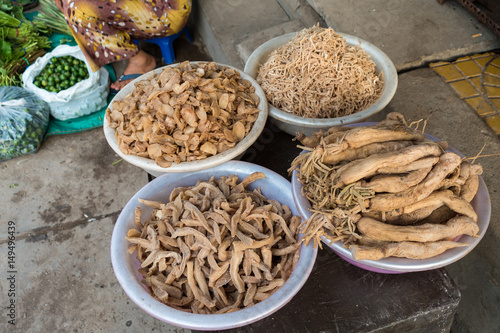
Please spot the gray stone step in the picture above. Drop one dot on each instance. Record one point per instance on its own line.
(411, 33)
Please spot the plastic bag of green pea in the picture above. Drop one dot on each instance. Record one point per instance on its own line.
(24, 118)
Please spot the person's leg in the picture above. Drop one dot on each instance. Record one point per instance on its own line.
(140, 63)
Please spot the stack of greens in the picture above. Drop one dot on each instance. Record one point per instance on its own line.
(21, 42)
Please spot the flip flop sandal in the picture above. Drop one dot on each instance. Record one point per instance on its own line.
(124, 78)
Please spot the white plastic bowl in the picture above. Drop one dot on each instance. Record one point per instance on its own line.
(291, 123)
(392, 265)
(125, 265)
(150, 165)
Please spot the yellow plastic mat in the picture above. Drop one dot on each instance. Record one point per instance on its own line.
(476, 79)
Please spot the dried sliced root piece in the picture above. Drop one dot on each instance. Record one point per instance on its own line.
(460, 225)
(359, 169)
(362, 152)
(171, 290)
(411, 250)
(448, 162)
(236, 259)
(200, 236)
(362, 136)
(421, 210)
(286, 250)
(423, 163)
(396, 182)
(194, 288)
(333, 135)
(469, 189)
(439, 198)
(250, 294)
(247, 181)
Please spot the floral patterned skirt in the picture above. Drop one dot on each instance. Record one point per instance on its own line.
(105, 29)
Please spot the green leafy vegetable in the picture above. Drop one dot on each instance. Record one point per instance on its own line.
(21, 42)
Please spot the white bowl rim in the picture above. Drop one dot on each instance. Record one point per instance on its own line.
(388, 91)
(481, 204)
(212, 161)
(122, 266)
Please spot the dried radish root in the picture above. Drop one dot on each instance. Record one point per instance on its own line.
(448, 162)
(456, 226)
(423, 209)
(366, 167)
(216, 247)
(362, 152)
(411, 250)
(423, 163)
(333, 135)
(318, 75)
(393, 121)
(397, 182)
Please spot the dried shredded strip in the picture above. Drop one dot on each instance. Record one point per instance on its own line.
(318, 75)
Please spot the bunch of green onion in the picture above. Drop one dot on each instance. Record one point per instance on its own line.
(51, 16)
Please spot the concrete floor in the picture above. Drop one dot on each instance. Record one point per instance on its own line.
(64, 200)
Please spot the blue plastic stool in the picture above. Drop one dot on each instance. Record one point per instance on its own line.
(166, 44)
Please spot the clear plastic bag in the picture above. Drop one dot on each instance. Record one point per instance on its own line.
(24, 118)
(85, 97)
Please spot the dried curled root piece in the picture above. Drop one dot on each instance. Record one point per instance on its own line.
(411, 250)
(216, 247)
(460, 225)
